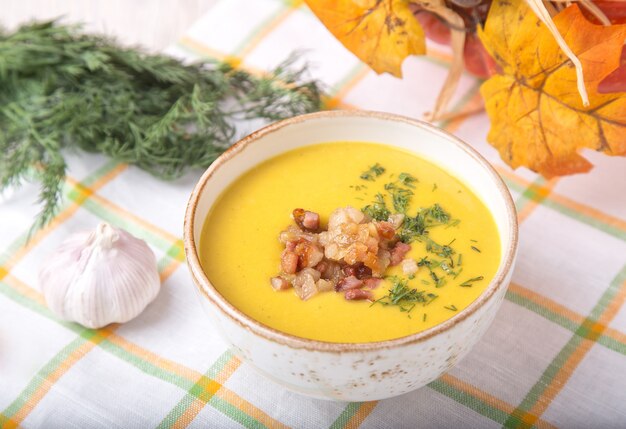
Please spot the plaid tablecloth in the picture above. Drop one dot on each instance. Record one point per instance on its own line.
(555, 356)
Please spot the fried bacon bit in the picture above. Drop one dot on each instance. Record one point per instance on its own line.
(409, 266)
(325, 285)
(330, 270)
(309, 254)
(279, 283)
(372, 283)
(396, 220)
(311, 221)
(386, 230)
(305, 283)
(351, 241)
(358, 294)
(398, 252)
(358, 270)
(351, 256)
(306, 220)
(289, 262)
(348, 283)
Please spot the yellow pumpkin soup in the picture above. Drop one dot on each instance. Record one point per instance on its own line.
(349, 242)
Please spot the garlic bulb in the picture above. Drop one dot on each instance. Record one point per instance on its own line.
(101, 277)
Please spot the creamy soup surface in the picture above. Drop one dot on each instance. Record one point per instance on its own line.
(240, 251)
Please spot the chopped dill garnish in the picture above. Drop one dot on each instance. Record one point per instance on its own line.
(424, 318)
(425, 282)
(403, 296)
(457, 273)
(474, 241)
(358, 187)
(407, 180)
(412, 228)
(451, 308)
(469, 283)
(458, 263)
(453, 222)
(476, 249)
(443, 251)
(373, 172)
(444, 266)
(438, 214)
(401, 197)
(377, 210)
(439, 282)
(423, 261)
(434, 187)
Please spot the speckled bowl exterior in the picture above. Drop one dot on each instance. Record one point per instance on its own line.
(354, 371)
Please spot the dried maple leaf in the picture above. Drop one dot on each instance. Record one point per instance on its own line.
(537, 117)
(381, 33)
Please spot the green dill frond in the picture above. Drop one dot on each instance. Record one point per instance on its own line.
(63, 89)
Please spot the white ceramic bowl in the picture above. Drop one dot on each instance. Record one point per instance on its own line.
(354, 371)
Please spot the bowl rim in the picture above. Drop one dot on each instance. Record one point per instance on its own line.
(235, 315)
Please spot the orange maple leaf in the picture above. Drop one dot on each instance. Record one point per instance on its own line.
(382, 33)
(537, 117)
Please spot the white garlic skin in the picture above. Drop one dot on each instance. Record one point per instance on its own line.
(101, 277)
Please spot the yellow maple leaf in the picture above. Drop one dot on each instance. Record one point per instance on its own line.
(537, 116)
(382, 33)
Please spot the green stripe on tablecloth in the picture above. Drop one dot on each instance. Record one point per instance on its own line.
(541, 310)
(198, 391)
(86, 182)
(528, 195)
(533, 194)
(128, 357)
(465, 99)
(252, 35)
(129, 225)
(191, 394)
(563, 321)
(544, 381)
(470, 401)
(40, 377)
(345, 416)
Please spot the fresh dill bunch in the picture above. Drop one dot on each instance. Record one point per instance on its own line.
(61, 89)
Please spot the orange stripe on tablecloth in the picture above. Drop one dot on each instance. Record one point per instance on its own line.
(132, 217)
(63, 215)
(551, 305)
(73, 358)
(565, 201)
(153, 358)
(533, 203)
(169, 269)
(23, 289)
(565, 372)
(227, 395)
(143, 354)
(359, 417)
(248, 408)
(486, 397)
(267, 30)
(565, 312)
(209, 52)
(457, 121)
(589, 211)
(47, 384)
(337, 99)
